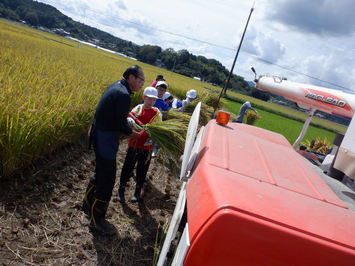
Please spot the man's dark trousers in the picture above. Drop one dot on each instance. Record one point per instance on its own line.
(105, 147)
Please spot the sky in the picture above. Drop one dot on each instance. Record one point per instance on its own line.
(308, 41)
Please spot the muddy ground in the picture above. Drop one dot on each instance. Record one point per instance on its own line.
(41, 222)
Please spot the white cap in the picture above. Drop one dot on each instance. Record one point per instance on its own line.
(151, 92)
(166, 96)
(161, 82)
(191, 94)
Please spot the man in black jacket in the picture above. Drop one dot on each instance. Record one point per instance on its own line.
(109, 123)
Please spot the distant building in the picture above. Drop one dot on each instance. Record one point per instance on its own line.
(159, 63)
(61, 31)
(120, 54)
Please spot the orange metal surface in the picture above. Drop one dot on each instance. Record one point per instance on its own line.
(253, 200)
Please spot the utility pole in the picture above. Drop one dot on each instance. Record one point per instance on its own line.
(224, 90)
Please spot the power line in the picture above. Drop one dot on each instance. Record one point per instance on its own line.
(223, 47)
(295, 71)
(233, 49)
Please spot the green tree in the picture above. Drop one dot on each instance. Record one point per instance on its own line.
(168, 57)
(8, 13)
(32, 18)
(148, 53)
(47, 21)
(183, 57)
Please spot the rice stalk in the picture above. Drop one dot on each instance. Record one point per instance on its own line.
(175, 114)
(159, 241)
(318, 145)
(169, 135)
(49, 92)
(205, 113)
(212, 100)
(251, 117)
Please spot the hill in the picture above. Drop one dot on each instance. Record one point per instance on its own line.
(42, 16)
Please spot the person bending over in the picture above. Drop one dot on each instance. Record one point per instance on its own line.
(109, 123)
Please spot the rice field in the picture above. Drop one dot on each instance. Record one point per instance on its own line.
(50, 87)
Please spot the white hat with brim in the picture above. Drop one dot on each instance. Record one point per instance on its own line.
(191, 94)
(151, 92)
(166, 96)
(161, 83)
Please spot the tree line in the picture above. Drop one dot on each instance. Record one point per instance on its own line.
(182, 61)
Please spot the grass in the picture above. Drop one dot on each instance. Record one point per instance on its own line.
(280, 124)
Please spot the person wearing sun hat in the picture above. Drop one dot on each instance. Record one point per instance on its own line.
(190, 96)
(159, 77)
(139, 150)
(161, 87)
(168, 99)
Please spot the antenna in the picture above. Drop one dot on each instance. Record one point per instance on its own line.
(224, 90)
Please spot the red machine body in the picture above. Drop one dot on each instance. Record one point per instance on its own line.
(252, 200)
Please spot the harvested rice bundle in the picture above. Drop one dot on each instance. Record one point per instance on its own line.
(212, 99)
(205, 113)
(319, 145)
(252, 117)
(175, 114)
(169, 135)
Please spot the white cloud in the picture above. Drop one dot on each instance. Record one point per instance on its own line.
(320, 17)
(331, 67)
(313, 37)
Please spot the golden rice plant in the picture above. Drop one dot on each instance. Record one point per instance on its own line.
(318, 145)
(205, 113)
(251, 117)
(175, 114)
(50, 89)
(211, 99)
(169, 135)
(48, 95)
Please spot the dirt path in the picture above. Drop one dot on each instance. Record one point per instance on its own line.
(41, 222)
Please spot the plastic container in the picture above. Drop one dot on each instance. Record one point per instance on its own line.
(223, 117)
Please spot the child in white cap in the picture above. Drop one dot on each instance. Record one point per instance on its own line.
(161, 87)
(139, 151)
(168, 99)
(190, 96)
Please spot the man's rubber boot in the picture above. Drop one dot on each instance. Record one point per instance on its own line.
(121, 191)
(137, 194)
(98, 222)
(89, 197)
